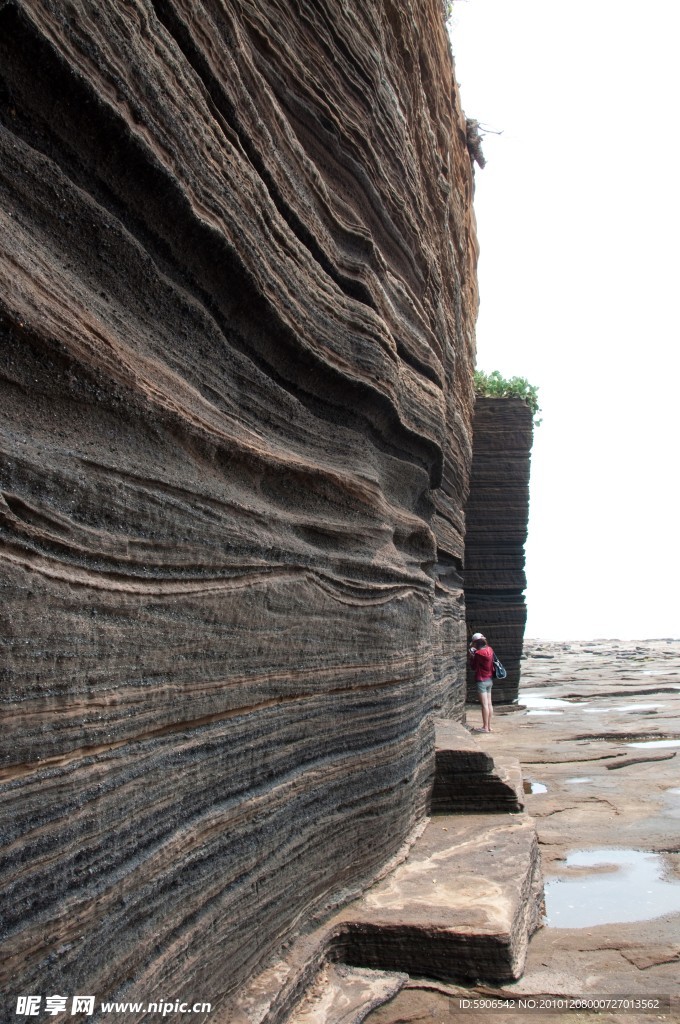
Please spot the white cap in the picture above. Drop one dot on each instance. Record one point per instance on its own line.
(478, 636)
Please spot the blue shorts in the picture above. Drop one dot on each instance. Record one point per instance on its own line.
(484, 685)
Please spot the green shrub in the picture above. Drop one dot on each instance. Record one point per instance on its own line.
(494, 385)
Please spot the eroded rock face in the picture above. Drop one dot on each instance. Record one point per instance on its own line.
(237, 298)
(497, 516)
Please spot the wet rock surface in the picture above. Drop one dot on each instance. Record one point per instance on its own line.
(237, 303)
(604, 696)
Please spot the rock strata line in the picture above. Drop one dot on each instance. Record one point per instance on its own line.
(237, 304)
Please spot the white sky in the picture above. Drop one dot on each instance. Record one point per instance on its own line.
(578, 217)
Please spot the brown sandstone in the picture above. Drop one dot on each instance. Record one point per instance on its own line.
(237, 303)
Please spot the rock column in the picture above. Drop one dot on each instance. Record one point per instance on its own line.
(497, 514)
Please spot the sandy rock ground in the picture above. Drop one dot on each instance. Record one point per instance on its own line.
(597, 732)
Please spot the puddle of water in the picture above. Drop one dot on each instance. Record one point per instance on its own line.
(673, 792)
(648, 744)
(535, 701)
(624, 885)
(578, 781)
(628, 707)
(545, 712)
(534, 787)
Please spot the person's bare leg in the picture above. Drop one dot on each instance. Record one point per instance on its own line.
(487, 711)
(482, 701)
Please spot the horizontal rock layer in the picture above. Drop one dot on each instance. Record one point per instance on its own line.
(237, 301)
(462, 907)
(497, 514)
(468, 780)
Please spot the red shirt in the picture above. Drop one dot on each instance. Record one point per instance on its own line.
(482, 664)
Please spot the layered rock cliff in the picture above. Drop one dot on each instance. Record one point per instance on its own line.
(237, 302)
(497, 515)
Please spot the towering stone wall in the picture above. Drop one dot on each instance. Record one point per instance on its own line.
(497, 513)
(237, 303)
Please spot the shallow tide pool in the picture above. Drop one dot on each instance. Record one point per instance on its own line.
(647, 744)
(623, 885)
(531, 700)
(534, 787)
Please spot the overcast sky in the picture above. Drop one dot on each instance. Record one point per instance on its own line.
(578, 217)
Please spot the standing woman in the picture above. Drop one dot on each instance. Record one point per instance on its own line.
(481, 662)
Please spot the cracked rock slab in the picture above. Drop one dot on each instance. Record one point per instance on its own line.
(644, 957)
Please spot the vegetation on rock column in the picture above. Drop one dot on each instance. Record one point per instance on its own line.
(494, 385)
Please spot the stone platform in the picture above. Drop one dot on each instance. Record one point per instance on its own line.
(460, 906)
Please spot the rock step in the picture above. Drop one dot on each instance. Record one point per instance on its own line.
(461, 907)
(468, 779)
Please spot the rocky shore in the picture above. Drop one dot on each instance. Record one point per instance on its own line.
(597, 732)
